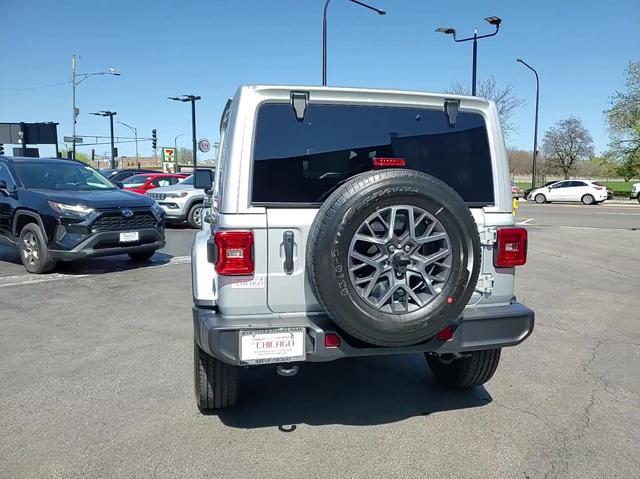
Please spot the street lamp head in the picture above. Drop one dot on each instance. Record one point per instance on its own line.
(381, 12)
(105, 113)
(520, 60)
(494, 21)
(447, 31)
(113, 71)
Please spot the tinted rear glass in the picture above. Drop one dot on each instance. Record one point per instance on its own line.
(303, 162)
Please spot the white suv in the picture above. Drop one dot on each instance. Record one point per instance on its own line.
(585, 191)
(350, 222)
(181, 202)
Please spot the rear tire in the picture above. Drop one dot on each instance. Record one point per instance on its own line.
(588, 200)
(142, 256)
(540, 198)
(33, 251)
(216, 383)
(194, 218)
(467, 372)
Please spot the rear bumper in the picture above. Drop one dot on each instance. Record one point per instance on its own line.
(480, 328)
(107, 243)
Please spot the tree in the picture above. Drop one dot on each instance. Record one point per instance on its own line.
(184, 156)
(506, 99)
(520, 161)
(565, 143)
(83, 157)
(623, 119)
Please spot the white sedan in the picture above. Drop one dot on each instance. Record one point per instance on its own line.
(588, 192)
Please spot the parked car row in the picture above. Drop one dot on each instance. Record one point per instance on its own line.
(61, 210)
(55, 210)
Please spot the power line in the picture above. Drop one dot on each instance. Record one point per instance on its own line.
(37, 87)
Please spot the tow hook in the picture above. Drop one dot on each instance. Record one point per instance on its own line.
(287, 371)
(448, 358)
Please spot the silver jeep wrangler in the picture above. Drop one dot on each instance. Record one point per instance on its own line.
(355, 222)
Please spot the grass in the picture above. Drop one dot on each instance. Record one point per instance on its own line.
(619, 187)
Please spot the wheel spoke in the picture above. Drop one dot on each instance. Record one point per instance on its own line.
(399, 258)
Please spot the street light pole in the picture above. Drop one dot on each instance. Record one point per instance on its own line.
(74, 83)
(135, 134)
(535, 128)
(193, 133)
(175, 143)
(324, 33)
(192, 99)
(495, 21)
(110, 114)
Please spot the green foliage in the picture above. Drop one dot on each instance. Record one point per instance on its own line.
(83, 157)
(565, 144)
(623, 119)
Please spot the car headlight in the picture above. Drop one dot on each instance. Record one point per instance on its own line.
(77, 210)
(157, 211)
(177, 195)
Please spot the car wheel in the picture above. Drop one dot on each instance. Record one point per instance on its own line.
(216, 383)
(32, 248)
(141, 256)
(469, 371)
(588, 199)
(540, 198)
(194, 218)
(393, 256)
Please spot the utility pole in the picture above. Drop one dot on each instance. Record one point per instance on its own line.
(75, 110)
(74, 83)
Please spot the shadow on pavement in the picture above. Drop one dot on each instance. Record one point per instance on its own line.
(107, 264)
(354, 391)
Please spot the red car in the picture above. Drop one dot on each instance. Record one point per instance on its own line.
(148, 181)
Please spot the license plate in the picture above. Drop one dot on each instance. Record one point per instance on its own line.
(272, 345)
(129, 236)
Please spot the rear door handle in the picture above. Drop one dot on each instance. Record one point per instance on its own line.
(287, 238)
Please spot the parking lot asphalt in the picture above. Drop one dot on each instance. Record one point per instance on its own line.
(96, 379)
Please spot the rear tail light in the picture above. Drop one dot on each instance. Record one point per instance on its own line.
(331, 340)
(234, 252)
(446, 334)
(388, 163)
(599, 188)
(511, 248)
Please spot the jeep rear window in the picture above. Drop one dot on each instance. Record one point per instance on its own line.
(303, 162)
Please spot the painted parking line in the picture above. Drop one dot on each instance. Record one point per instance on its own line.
(524, 222)
(26, 279)
(611, 213)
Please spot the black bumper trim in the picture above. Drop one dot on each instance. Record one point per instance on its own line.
(151, 239)
(480, 328)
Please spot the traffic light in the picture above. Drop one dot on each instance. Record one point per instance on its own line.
(1, 149)
(154, 139)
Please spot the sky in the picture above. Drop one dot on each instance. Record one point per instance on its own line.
(208, 48)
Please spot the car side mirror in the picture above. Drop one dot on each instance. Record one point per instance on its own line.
(203, 179)
(3, 187)
(119, 184)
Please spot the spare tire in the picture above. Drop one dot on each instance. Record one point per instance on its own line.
(393, 256)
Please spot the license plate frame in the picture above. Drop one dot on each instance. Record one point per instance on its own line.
(129, 237)
(249, 351)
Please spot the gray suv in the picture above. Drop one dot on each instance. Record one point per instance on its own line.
(351, 222)
(181, 202)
